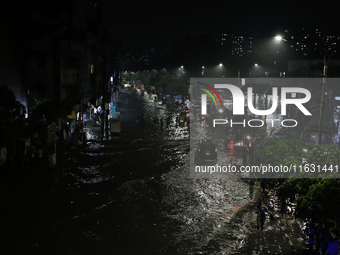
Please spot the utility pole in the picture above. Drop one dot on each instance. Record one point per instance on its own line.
(104, 99)
(324, 76)
(327, 51)
(106, 95)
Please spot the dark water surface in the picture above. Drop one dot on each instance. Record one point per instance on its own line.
(132, 194)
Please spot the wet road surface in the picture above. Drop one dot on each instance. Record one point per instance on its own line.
(132, 194)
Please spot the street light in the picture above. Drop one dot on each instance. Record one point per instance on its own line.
(219, 69)
(279, 38)
(326, 55)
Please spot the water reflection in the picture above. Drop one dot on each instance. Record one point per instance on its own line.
(132, 194)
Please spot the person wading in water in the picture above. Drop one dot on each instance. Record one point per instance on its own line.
(261, 215)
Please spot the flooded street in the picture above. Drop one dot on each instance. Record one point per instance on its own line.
(132, 194)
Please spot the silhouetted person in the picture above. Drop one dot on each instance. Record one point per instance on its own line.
(261, 215)
(226, 144)
(333, 246)
(245, 155)
(325, 238)
(168, 121)
(311, 239)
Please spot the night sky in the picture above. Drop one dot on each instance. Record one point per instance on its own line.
(155, 24)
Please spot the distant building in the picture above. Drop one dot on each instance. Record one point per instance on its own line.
(138, 59)
(57, 50)
(236, 45)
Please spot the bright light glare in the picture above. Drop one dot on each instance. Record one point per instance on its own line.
(278, 38)
(256, 65)
(221, 64)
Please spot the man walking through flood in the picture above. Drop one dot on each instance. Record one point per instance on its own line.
(261, 215)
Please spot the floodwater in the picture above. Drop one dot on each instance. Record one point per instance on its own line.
(132, 194)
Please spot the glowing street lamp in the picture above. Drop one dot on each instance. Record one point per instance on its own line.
(278, 38)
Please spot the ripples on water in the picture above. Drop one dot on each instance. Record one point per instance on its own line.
(157, 206)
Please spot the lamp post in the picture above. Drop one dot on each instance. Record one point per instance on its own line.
(326, 55)
(324, 76)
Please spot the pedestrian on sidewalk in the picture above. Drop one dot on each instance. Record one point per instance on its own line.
(333, 246)
(245, 154)
(318, 236)
(251, 153)
(325, 238)
(311, 238)
(168, 121)
(226, 144)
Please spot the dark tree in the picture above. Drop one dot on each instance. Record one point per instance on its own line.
(11, 110)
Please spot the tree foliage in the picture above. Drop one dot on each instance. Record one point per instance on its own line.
(47, 110)
(282, 152)
(11, 110)
(12, 116)
(171, 84)
(316, 199)
(145, 79)
(316, 191)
